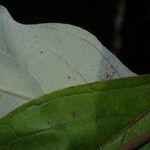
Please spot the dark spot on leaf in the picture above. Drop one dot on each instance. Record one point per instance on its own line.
(110, 76)
(49, 122)
(113, 73)
(92, 88)
(36, 35)
(41, 52)
(74, 114)
(68, 77)
(32, 47)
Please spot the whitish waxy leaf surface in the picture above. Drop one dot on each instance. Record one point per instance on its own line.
(47, 57)
(77, 118)
(16, 84)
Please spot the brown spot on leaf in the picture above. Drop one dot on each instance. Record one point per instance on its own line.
(74, 114)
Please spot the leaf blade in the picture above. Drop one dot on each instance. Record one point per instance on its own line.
(84, 116)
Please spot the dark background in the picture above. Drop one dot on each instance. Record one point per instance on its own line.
(123, 26)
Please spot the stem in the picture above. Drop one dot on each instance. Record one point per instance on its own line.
(137, 142)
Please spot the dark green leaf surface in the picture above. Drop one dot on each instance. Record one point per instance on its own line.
(81, 117)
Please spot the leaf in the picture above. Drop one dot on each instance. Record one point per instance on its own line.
(54, 56)
(82, 117)
(16, 84)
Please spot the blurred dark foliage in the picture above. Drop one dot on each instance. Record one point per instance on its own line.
(123, 26)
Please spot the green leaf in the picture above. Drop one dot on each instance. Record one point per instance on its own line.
(51, 57)
(82, 117)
